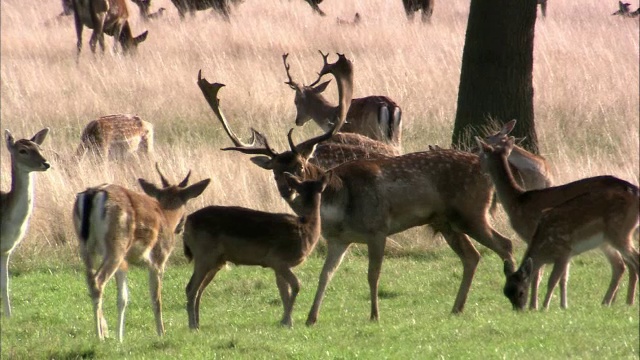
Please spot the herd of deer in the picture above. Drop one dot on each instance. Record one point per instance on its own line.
(352, 185)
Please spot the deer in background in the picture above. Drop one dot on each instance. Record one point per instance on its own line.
(355, 22)
(624, 10)
(216, 235)
(526, 209)
(340, 148)
(377, 117)
(369, 200)
(143, 7)
(116, 136)
(105, 17)
(413, 6)
(120, 225)
(604, 216)
(16, 205)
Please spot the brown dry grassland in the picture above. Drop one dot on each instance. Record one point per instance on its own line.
(585, 79)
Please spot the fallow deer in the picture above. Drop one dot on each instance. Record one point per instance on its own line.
(369, 200)
(602, 216)
(105, 17)
(413, 6)
(624, 11)
(526, 208)
(116, 136)
(340, 148)
(377, 117)
(221, 7)
(356, 20)
(119, 225)
(216, 235)
(143, 7)
(16, 205)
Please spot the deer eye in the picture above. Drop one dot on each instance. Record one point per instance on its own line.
(22, 151)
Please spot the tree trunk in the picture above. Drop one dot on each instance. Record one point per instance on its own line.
(496, 80)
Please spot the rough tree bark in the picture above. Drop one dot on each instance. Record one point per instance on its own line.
(496, 80)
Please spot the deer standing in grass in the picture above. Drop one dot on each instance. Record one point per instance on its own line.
(120, 225)
(603, 216)
(115, 137)
(624, 10)
(369, 200)
(377, 117)
(105, 17)
(216, 235)
(16, 205)
(340, 148)
(526, 209)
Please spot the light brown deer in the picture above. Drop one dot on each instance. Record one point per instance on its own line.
(369, 200)
(119, 225)
(603, 216)
(115, 137)
(216, 235)
(526, 208)
(105, 17)
(338, 149)
(16, 205)
(377, 117)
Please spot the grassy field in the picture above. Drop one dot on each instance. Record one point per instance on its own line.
(586, 77)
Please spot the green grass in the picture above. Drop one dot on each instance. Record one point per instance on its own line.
(241, 309)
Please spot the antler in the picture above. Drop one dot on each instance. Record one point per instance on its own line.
(164, 181)
(185, 182)
(326, 68)
(291, 83)
(258, 145)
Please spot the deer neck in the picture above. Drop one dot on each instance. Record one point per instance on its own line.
(18, 205)
(311, 221)
(506, 187)
(322, 112)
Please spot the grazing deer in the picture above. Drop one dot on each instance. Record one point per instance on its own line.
(116, 136)
(413, 6)
(624, 10)
(221, 7)
(143, 7)
(377, 117)
(369, 200)
(121, 225)
(602, 216)
(105, 17)
(356, 20)
(216, 235)
(340, 148)
(526, 209)
(17, 204)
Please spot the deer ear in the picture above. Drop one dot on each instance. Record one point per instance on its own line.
(508, 268)
(194, 190)
(39, 137)
(148, 188)
(322, 87)
(140, 38)
(482, 145)
(508, 127)
(292, 180)
(326, 178)
(307, 152)
(9, 138)
(264, 162)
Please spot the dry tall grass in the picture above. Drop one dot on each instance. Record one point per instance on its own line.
(585, 79)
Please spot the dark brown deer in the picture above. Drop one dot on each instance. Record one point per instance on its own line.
(413, 6)
(119, 225)
(624, 11)
(216, 235)
(526, 209)
(377, 117)
(369, 200)
(105, 17)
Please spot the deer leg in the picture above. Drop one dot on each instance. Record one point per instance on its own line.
(470, 257)
(564, 300)
(116, 39)
(535, 283)
(291, 282)
(483, 233)
(155, 289)
(617, 270)
(201, 277)
(4, 283)
(632, 259)
(559, 269)
(285, 295)
(123, 299)
(335, 254)
(79, 26)
(376, 254)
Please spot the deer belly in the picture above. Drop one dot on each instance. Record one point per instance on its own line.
(588, 243)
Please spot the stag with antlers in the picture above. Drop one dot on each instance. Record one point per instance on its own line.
(369, 200)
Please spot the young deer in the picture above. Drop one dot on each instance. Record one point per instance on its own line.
(369, 200)
(216, 235)
(340, 148)
(603, 216)
(17, 204)
(105, 17)
(526, 208)
(120, 225)
(377, 117)
(116, 136)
